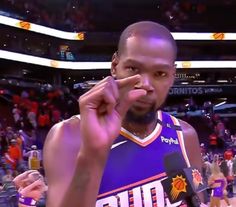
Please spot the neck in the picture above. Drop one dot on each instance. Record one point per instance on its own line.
(139, 130)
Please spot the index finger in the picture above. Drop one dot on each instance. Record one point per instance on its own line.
(23, 175)
(129, 81)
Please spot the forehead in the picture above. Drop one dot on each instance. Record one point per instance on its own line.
(147, 49)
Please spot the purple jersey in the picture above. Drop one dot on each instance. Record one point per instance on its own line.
(135, 166)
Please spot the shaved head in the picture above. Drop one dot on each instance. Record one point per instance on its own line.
(146, 29)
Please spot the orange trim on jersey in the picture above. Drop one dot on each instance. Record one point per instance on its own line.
(181, 140)
(133, 184)
(150, 139)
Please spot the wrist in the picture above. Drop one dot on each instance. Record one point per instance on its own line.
(26, 201)
(93, 157)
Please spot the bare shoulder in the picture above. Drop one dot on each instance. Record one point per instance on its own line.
(192, 146)
(64, 132)
(188, 131)
(59, 154)
(62, 145)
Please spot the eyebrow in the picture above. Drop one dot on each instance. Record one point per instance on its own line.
(160, 65)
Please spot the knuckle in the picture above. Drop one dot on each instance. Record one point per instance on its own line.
(81, 100)
(110, 78)
(105, 91)
(105, 85)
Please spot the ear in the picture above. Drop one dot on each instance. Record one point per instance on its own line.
(114, 63)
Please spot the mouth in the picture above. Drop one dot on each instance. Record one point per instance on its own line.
(143, 103)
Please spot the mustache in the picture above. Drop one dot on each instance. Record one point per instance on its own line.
(146, 118)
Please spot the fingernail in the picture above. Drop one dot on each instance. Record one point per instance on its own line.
(138, 84)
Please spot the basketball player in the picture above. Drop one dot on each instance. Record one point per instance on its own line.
(112, 155)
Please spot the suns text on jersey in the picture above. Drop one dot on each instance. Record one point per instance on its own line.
(148, 195)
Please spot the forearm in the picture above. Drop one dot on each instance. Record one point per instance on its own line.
(84, 186)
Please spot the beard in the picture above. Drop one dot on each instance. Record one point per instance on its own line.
(137, 118)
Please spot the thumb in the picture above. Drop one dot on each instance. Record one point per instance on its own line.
(125, 103)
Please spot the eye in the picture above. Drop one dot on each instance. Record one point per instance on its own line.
(132, 69)
(160, 74)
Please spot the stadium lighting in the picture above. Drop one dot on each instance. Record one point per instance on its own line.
(220, 104)
(9, 21)
(41, 29)
(103, 65)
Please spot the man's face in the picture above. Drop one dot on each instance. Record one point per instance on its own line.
(153, 59)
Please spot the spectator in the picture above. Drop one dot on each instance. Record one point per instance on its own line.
(32, 119)
(9, 134)
(234, 173)
(224, 167)
(7, 177)
(218, 183)
(16, 114)
(3, 145)
(56, 115)
(228, 154)
(230, 177)
(43, 120)
(27, 139)
(233, 139)
(234, 165)
(19, 140)
(206, 168)
(14, 155)
(34, 158)
(213, 142)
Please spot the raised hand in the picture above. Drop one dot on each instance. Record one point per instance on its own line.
(34, 190)
(103, 108)
(30, 184)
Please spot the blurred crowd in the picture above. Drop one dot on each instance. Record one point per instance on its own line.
(183, 15)
(215, 127)
(219, 168)
(190, 15)
(21, 140)
(33, 114)
(177, 14)
(41, 12)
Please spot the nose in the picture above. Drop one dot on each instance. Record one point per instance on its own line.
(145, 83)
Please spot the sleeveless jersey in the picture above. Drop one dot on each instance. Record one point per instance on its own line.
(135, 168)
